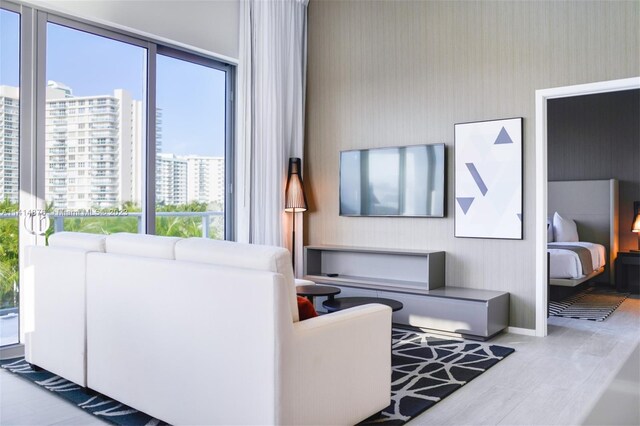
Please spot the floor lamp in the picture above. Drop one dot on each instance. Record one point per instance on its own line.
(296, 200)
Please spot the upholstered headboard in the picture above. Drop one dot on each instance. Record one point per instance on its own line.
(593, 204)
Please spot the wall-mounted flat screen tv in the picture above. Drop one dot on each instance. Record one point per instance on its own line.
(398, 181)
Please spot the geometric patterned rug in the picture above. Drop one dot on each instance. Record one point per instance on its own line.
(100, 406)
(425, 370)
(592, 304)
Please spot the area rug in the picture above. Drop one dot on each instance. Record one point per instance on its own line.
(100, 406)
(425, 370)
(592, 304)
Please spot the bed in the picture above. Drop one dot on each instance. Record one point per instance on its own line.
(566, 262)
(593, 205)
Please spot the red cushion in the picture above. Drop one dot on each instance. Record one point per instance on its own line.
(306, 309)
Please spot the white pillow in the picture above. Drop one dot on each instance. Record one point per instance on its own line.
(549, 231)
(565, 230)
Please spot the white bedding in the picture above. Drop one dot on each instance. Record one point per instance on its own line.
(566, 264)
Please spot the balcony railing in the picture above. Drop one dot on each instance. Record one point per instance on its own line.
(207, 220)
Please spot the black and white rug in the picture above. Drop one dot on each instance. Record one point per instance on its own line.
(425, 370)
(100, 406)
(592, 304)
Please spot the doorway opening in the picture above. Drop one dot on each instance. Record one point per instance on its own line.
(542, 173)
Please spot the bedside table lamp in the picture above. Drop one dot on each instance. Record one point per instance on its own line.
(295, 200)
(636, 221)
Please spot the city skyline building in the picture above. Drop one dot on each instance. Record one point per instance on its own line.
(93, 145)
(171, 179)
(94, 151)
(9, 142)
(205, 180)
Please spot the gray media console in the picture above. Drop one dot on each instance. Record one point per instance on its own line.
(417, 279)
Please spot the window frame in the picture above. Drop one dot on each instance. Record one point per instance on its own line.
(153, 47)
(25, 183)
(229, 151)
(32, 107)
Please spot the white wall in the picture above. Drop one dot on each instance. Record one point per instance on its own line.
(211, 25)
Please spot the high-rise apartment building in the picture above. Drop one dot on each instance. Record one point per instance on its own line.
(9, 141)
(171, 179)
(205, 179)
(93, 149)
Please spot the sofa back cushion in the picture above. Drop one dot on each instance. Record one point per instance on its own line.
(249, 256)
(228, 320)
(142, 245)
(78, 240)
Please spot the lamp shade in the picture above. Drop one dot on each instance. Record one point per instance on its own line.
(295, 199)
(635, 227)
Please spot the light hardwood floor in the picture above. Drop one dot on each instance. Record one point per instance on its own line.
(23, 403)
(547, 381)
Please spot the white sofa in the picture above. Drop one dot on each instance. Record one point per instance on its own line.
(196, 331)
(53, 307)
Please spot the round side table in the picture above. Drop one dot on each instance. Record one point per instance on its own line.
(333, 305)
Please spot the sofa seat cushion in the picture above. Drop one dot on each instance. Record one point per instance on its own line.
(306, 309)
(142, 245)
(240, 255)
(78, 240)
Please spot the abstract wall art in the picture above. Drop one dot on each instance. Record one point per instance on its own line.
(488, 179)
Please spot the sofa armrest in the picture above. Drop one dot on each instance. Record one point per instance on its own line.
(300, 282)
(52, 309)
(336, 319)
(338, 367)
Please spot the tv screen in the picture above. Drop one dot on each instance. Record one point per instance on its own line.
(398, 181)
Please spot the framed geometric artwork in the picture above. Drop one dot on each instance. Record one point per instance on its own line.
(488, 179)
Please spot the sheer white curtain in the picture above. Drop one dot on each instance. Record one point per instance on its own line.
(271, 96)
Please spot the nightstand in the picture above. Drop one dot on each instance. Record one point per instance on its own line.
(628, 271)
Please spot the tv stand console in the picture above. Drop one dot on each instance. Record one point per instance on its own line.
(417, 279)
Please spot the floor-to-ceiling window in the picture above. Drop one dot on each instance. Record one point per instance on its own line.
(95, 132)
(190, 162)
(9, 174)
(101, 112)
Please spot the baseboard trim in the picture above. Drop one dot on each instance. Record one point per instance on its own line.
(522, 331)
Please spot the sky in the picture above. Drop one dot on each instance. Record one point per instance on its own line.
(9, 47)
(191, 97)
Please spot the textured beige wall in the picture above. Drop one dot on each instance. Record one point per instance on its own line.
(403, 72)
